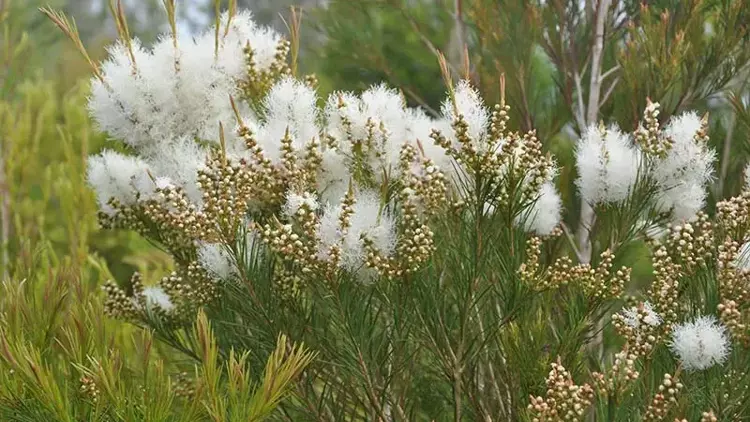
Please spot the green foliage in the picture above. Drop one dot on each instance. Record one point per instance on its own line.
(361, 43)
(466, 336)
(46, 136)
(238, 398)
(59, 358)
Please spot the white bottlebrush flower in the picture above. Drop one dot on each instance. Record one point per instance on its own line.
(295, 201)
(123, 105)
(607, 165)
(203, 86)
(469, 104)
(243, 31)
(216, 261)
(701, 343)
(746, 178)
(685, 199)
(420, 127)
(683, 174)
(208, 77)
(291, 107)
(183, 92)
(742, 261)
(333, 176)
(386, 109)
(651, 317)
(114, 175)
(179, 160)
(378, 117)
(683, 128)
(342, 112)
(544, 215)
(156, 297)
(367, 220)
(383, 103)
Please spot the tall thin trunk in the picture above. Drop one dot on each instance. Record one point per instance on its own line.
(726, 156)
(458, 37)
(587, 216)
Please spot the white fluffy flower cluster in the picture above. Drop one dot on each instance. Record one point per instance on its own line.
(700, 344)
(295, 201)
(544, 215)
(545, 212)
(607, 162)
(290, 110)
(217, 261)
(118, 176)
(368, 220)
(469, 104)
(651, 318)
(682, 176)
(379, 122)
(156, 298)
(178, 91)
(381, 113)
(742, 261)
(164, 100)
(167, 103)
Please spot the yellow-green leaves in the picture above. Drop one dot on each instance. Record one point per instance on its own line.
(284, 365)
(227, 390)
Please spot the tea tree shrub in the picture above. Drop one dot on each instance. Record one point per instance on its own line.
(423, 258)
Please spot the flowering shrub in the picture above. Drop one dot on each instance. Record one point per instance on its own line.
(422, 257)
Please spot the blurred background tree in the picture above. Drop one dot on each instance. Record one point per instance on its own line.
(274, 12)
(45, 136)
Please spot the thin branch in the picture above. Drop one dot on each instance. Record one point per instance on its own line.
(596, 62)
(726, 155)
(588, 215)
(587, 212)
(458, 39)
(123, 30)
(457, 392)
(170, 8)
(490, 368)
(370, 388)
(610, 90)
(609, 73)
(69, 28)
(294, 34)
(580, 113)
(231, 13)
(571, 241)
